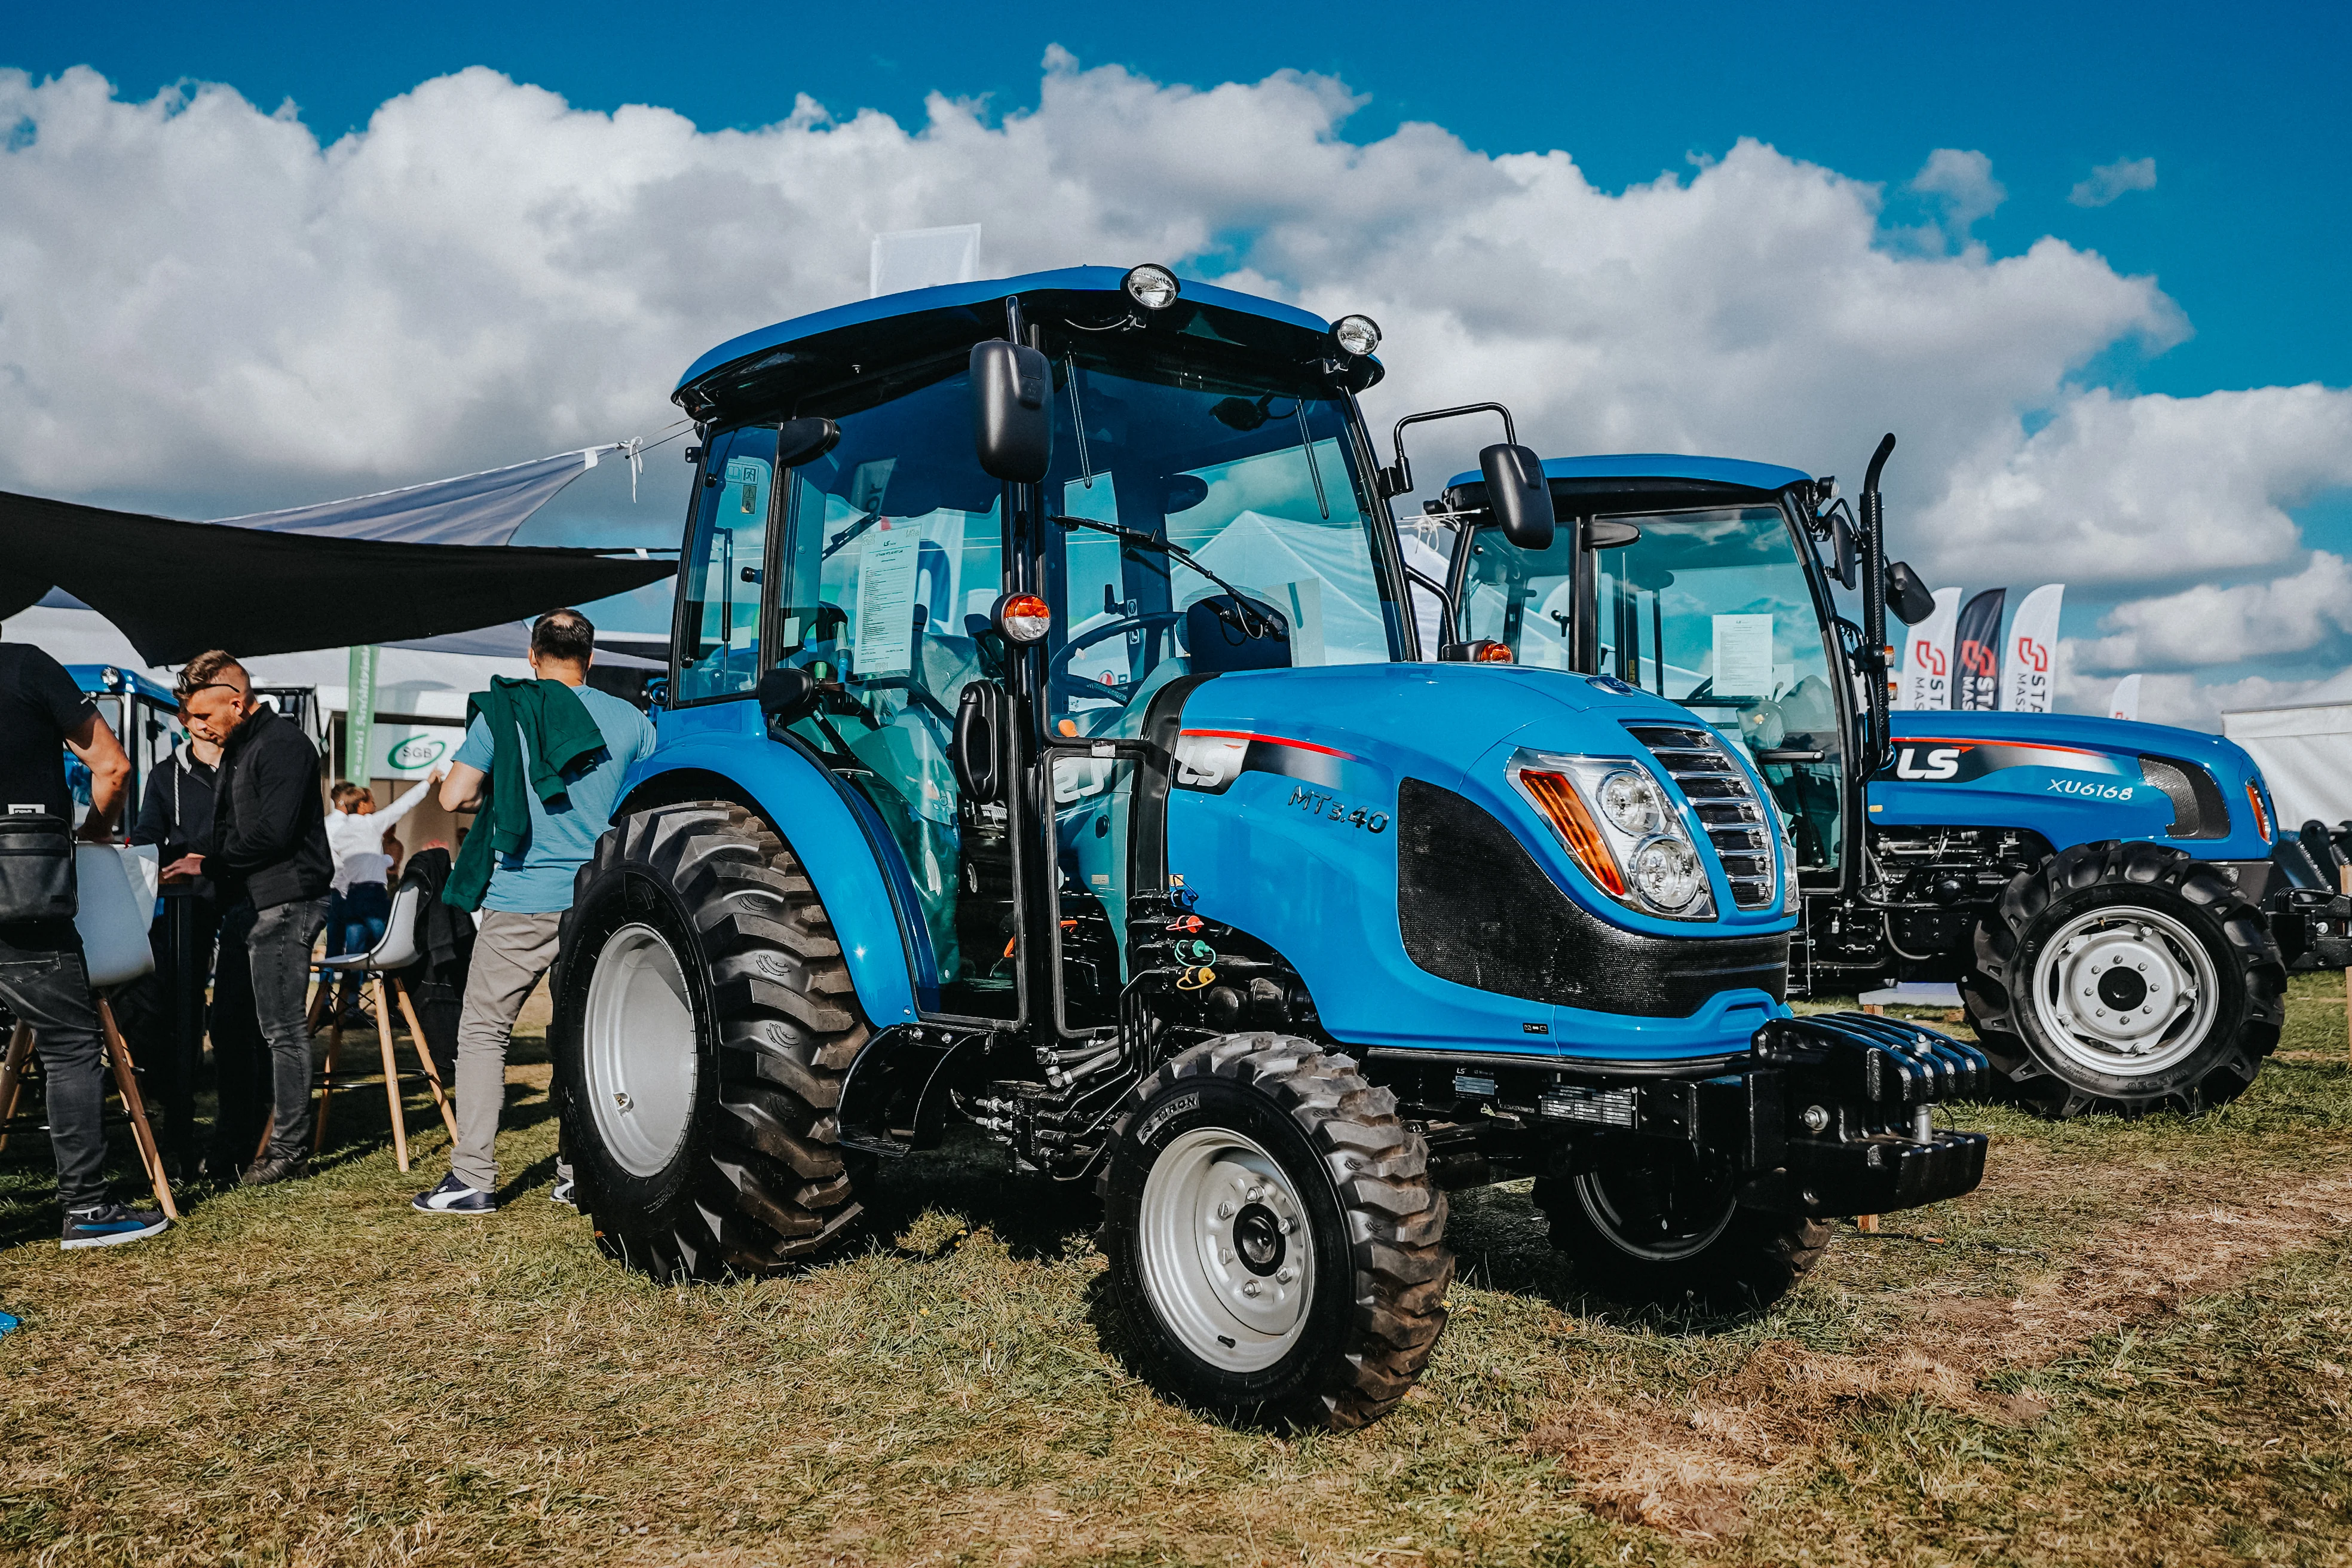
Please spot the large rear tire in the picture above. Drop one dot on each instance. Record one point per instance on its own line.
(1665, 1232)
(1276, 1246)
(2126, 977)
(703, 1023)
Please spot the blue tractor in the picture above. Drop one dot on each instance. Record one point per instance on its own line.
(2113, 899)
(1046, 751)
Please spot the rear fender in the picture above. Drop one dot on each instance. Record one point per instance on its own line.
(858, 882)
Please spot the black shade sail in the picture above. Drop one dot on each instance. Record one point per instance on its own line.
(176, 589)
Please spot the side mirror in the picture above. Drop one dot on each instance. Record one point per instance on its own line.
(1518, 492)
(1849, 567)
(1907, 596)
(974, 751)
(786, 695)
(1011, 432)
(802, 441)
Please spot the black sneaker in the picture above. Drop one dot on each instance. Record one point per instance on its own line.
(454, 1196)
(109, 1224)
(561, 1193)
(272, 1168)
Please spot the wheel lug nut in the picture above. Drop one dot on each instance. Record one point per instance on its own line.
(1287, 1274)
(1224, 1254)
(1225, 1211)
(1256, 1194)
(1249, 1287)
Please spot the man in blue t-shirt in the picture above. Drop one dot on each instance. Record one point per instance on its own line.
(528, 893)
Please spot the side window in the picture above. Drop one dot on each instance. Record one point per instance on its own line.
(719, 588)
(894, 556)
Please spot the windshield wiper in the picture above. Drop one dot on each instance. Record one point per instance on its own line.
(1135, 539)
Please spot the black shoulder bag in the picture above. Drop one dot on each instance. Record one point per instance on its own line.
(37, 866)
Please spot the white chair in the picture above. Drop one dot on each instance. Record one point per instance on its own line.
(395, 950)
(114, 906)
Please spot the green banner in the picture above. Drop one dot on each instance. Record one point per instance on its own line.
(359, 715)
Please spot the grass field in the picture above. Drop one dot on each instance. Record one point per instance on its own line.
(2131, 1346)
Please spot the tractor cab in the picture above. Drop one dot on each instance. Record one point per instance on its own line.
(1702, 579)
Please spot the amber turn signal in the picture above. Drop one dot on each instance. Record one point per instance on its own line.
(1023, 617)
(1557, 798)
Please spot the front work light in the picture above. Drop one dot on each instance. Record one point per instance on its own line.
(1151, 286)
(1357, 335)
(1023, 617)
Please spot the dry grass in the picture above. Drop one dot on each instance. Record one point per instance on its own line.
(2130, 1347)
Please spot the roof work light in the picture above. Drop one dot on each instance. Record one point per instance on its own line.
(1151, 286)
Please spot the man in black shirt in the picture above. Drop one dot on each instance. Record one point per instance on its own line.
(267, 848)
(43, 980)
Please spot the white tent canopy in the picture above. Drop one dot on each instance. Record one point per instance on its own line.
(2305, 752)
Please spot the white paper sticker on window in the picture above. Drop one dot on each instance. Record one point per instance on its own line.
(1743, 656)
(886, 603)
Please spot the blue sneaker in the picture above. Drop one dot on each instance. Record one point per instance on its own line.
(454, 1196)
(109, 1224)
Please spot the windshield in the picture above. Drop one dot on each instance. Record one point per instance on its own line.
(1253, 479)
(1712, 609)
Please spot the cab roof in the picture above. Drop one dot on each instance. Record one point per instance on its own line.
(100, 678)
(1673, 465)
(821, 347)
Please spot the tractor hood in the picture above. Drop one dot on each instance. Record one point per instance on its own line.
(1361, 810)
(2074, 779)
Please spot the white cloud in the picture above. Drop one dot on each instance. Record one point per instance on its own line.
(205, 311)
(2109, 181)
(2207, 625)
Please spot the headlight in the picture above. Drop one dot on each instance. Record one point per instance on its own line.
(1613, 818)
(1630, 801)
(1151, 286)
(1356, 335)
(1667, 873)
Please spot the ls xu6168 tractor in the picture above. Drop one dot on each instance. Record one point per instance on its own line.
(1046, 750)
(2112, 898)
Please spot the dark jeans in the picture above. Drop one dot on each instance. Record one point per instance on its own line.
(43, 982)
(277, 954)
(355, 922)
(240, 1060)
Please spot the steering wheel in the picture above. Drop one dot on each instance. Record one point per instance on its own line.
(1071, 685)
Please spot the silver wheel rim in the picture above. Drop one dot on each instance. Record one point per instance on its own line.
(1665, 1247)
(2126, 992)
(1228, 1263)
(640, 1058)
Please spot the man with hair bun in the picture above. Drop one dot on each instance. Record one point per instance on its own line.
(541, 764)
(266, 852)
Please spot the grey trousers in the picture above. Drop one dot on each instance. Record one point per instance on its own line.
(279, 949)
(45, 983)
(511, 952)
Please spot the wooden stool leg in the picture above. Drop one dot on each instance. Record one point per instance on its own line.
(12, 1075)
(391, 1072)
(126, 1084)
(425, 1056)
(327, 1090)
(320, 996)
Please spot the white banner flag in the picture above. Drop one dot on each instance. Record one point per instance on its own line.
(2124, 704)
(1928, 657)
(2029, 675)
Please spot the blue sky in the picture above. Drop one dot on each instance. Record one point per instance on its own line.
(2224, 132)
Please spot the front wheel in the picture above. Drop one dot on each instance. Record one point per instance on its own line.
(1275, 1243)
(2126, 977)
(703, 1023)
(1661, 1230)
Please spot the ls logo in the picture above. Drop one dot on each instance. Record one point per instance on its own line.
(1943, 763)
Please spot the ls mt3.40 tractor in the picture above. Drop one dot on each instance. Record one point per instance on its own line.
(2112, 898)
(1046, 750)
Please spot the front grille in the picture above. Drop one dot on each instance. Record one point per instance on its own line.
(1718, 791)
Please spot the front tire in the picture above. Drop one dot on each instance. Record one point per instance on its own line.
(704, 1020)
(2126, 977)
(1275, 1242)
(1663, 1232)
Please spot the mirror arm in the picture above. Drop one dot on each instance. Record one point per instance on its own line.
(1398, 481)
(1445, 600)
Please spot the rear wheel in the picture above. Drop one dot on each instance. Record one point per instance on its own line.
(2126, 977)
(1663, 1231)
(1275, 1243)
(703, 1022)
